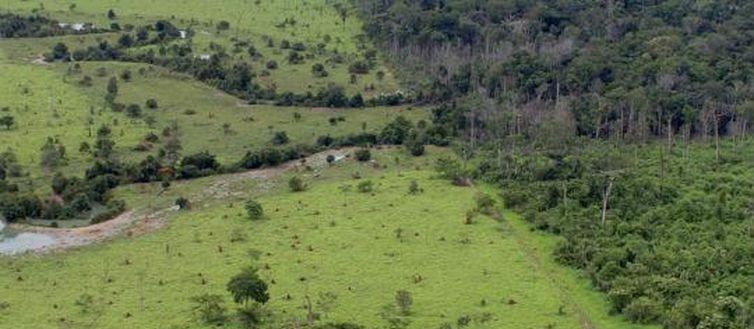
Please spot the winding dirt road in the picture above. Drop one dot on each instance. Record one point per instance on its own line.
(130, 223)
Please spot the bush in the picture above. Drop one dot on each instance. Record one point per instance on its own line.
(151, 103)
(271, 65)
(296, 184)
(133, 110)
(363, 155)
(485, 204)
(358, 67)
(254, 210)
(183, 203)
(330, 158)
(280, 138)
(366, 186)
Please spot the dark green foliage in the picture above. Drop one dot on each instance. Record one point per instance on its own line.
(198, 165)
(662, 227)
(223, 26)
(396, 131)
(37, 26)
(363, 155)
(60, 52)
(103, 144)
(254, 210)
(133, 110)
(247, 287)
(280, 138)
(318, 70)
(183, 203)
(151, 103)
(7, 121)
(358, 67)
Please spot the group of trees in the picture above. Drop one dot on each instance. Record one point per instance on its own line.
(529, 86)
(616, 69)
(38, 26)
(667, 239)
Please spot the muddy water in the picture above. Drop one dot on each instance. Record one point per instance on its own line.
(14, 243)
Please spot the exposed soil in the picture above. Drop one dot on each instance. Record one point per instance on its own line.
(133, 223)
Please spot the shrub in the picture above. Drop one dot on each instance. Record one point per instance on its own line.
(133, 110)
(330, 158)
(485, 204)
(296, 184)
(363, 155)
(413, 188)
(254, 210)
(358, 67)
(280, 138)
(271, 65)
(366, 186)
(183, 203)
(151, 103)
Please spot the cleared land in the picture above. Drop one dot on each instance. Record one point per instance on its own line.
(357, 246)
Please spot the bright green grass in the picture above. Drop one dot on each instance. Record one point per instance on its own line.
(251, 127)
(315, 18)
(249, 22)
(354, 254)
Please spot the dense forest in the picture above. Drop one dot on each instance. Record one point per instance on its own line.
(576, 109)
(605, 69)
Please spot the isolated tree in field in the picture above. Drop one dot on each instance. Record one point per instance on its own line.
(209, 309)
(296, 184)
(181, 202)
(7, 121)
(133, 110)
(111, 14)
(151, 103)
(247, 287)
(254, 210)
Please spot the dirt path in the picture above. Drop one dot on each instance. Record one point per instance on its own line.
(133, 223)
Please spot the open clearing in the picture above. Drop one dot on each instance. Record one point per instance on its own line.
(357, 246)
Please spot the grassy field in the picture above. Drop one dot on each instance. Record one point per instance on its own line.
(47, 101)
(316, 22)
(359, 247)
